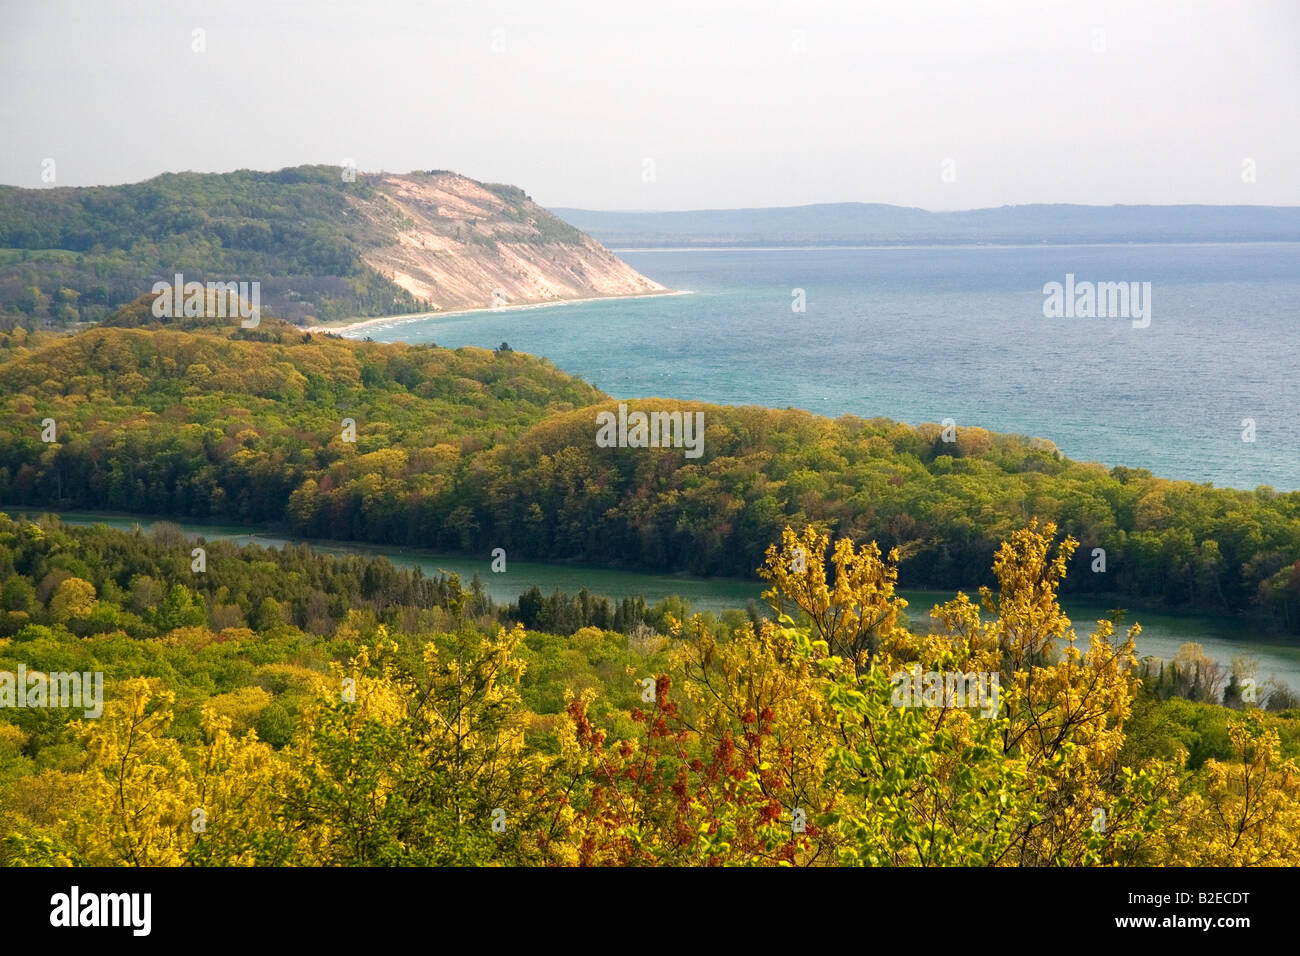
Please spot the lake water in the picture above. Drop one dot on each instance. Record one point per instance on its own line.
(1162, 634)
(922, 334)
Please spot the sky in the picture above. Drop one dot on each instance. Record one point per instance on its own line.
(661, 104)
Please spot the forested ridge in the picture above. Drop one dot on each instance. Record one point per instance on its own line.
(470, 450)
(75, 254)
(313, 237)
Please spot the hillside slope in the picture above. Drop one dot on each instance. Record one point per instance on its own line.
(454, 243)
(471, 450)
(323, 245)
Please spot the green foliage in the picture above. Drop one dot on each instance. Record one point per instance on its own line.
(73, 255)
(110, 243)
(407, 726)
(472, 450)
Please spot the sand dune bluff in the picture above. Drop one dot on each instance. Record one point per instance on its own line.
(457, 244)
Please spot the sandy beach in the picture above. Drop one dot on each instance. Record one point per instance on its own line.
(345, 326)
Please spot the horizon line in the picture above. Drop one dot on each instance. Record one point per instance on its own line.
(859, 202)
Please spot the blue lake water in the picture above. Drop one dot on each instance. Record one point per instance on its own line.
(922, 334)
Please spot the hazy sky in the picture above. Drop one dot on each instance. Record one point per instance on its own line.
(661, 104)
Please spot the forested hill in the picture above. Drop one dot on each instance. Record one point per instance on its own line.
(473, 450)
(853, 223)
(325, 243)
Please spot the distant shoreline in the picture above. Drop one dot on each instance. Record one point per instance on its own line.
(351, 325)
(850, 246)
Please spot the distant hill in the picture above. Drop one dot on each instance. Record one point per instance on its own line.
(322, 245)
(878, 223)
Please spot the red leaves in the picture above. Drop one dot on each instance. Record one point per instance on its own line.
(658, 798)
(587, 735)
(725, 750)
(662, 683)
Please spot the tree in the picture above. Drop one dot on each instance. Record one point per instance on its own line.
(1242, 812)
(857, 613)
(73, 599)
(18, 594)
(416, 765)
(180, 608)
(141, 802)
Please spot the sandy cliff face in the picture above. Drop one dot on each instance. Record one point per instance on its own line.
(463, 244)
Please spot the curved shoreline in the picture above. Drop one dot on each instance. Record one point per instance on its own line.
(352, 326)
(1166, 627)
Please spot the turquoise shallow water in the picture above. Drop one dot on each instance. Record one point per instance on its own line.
(926, 333)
